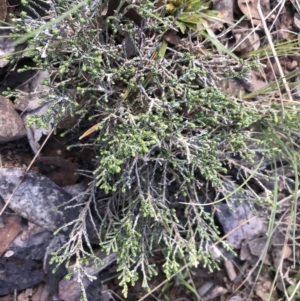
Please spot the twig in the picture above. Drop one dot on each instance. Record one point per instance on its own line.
(297, 288)
(286, 86)
(254, 28)
(188, 264)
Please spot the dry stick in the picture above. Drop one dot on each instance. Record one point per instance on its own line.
(288, 198)
(26, 171)
(297, 288)
(281, 4)
(188, 264)
(253, 28)
(276, 80)
(286, 86)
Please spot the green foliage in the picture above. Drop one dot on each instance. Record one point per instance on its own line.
(191, 13)
(163, 131)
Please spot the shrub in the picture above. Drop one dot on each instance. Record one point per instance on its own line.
(161, 127)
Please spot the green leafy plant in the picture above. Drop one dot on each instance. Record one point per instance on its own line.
(191, 13)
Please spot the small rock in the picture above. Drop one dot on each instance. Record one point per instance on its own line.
(77, 191)
(36, 197)
(230, 269)
(33, 248)
(19, 274)
(205, 288)
(239, 222)
(216, 292)
(11, 124)
(257, 247)
(245, 252)
(33, 89)
(6, 44)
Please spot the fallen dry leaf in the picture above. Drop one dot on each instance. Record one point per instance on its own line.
(37, 293)
(249, 9)
(12, 227)
(89, 131)
(263, 287)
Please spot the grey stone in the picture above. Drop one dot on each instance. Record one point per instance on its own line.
(37, 198)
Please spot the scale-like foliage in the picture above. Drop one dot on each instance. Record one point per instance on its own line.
(161, 128)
